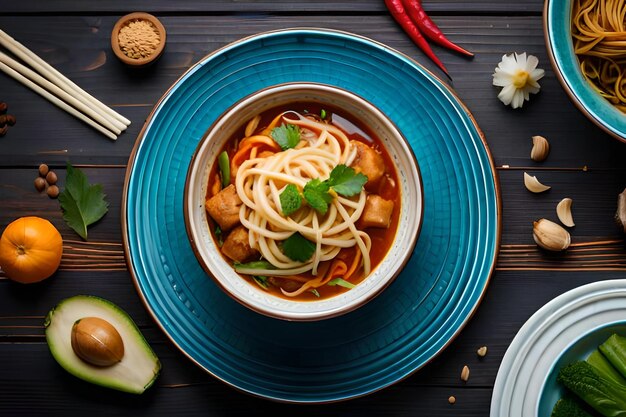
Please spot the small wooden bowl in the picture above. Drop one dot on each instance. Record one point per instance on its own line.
(132, 17)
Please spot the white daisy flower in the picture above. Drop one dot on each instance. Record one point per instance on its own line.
(518, 75)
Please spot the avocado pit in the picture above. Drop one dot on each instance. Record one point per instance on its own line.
(97, 342)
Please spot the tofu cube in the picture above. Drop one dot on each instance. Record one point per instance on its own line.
(367, 161)
(377, 212)
(224, 206)
(237, 245)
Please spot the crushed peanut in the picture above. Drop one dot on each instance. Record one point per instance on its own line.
(139, 39)
(451, 399)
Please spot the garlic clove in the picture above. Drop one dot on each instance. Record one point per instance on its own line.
(540, 150)
(564, 211)
(533, 184)
(620, 215)
(550, 235)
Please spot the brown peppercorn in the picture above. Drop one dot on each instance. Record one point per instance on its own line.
(4, 130)
(10, 119)
(51, 177)
(43, 170)
(40, 184)
(3, 120)
(53, 191)
(3, 107)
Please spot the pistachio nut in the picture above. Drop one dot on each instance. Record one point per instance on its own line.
(564, 212)
(533, 184)
(540, 150)
(550, 235)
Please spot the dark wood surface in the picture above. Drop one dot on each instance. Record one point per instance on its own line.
(584, 164)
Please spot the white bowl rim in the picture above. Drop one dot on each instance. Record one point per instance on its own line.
(324, 308)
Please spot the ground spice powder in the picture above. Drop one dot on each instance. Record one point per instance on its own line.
(139, 39)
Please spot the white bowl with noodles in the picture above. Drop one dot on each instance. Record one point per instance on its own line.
(347, 117)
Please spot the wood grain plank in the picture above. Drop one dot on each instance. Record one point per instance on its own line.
(74, 43)
(265, 6)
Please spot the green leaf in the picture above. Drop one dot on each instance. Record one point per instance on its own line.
(253, 265)
(316, 194)
(322, 114)
(345, 181)
(290, 200)
(341, 282)
(261, 281)
(287, 136)
(219, 236)
(224, 164)
(82, 203)
(315, 293)
(298, 248)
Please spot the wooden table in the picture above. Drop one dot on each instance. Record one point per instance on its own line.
(584, 164)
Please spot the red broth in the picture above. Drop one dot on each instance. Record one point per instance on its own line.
(387, 187)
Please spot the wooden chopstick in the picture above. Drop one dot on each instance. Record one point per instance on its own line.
(55, 100)
(62, 82)
(33, 76)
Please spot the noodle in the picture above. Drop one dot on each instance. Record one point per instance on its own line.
(259, 183)
(599, 32)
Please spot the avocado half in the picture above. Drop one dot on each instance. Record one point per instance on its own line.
(137, 370)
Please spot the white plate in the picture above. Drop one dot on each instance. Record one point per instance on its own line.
(538, 344)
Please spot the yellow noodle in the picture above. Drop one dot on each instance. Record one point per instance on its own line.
(260, 181)
(599, 34)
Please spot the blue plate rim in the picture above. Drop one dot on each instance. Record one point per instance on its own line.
(438, 83)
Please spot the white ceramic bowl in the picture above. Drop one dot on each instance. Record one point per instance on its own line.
(249, 294)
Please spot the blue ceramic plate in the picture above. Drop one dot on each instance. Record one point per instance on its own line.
(557, 17)
(376, 345)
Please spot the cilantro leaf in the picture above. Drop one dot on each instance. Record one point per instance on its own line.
(290, 200)
(341, 282)
(82, 203)
(298, 248)
(315, 292)
(316, 194)
(287, 136)
(345, 181)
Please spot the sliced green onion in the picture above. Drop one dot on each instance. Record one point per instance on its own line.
(341, 282)
(224, 164)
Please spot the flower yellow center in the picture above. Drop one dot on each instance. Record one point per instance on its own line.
(520, 79)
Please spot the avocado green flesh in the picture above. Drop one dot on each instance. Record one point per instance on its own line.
(139, 366)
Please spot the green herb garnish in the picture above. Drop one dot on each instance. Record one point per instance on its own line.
(316, 193)
(224, 164)
(219, 235)
(261, 281)
(253, 265)
(82, 203)
(298, 248)
(341, 282)
(287, 136)
(315, 293)
(345, 181)
(323, 114)
(290, 200)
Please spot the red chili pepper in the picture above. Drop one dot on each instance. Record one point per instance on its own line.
(429, 28)
(399, 14)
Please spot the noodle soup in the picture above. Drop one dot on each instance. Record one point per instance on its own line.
(303, 201)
